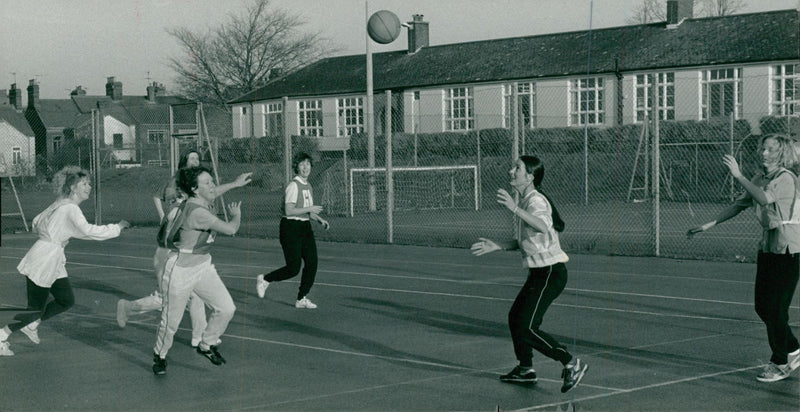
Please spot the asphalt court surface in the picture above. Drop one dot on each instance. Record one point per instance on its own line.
(397, 328)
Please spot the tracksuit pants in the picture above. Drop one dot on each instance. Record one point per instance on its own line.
(299, 246)
(776, 280)
(525, 317)
(177, 284)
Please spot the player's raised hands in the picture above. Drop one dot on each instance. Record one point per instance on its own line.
(243, 179)
(235, 208)
(732, 165)
(505, 199)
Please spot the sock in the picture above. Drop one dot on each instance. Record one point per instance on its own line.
(4, 334)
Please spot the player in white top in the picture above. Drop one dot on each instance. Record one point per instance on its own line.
(44, 264)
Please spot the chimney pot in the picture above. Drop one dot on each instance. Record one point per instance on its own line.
(33, 93)
(418, 36)
(15, 97)
(678, 10)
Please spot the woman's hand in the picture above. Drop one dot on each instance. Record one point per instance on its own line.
(235, 208)
(243, 179)
(324, 223)
(484, 246)
(505, 199)
(695, 230)
(733, 165)
(124, 224)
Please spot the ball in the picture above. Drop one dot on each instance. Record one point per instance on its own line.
(383, 27)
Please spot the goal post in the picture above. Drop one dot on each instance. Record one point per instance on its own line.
(420, 187)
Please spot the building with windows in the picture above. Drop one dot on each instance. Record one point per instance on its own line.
(16, 144)
(742, 66)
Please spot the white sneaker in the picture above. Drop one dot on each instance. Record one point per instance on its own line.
(305, 304)
(31, 333)
(261, 285)
(774, 373)
(196, 342)
(793, 360)
(5, 349)
(122, 312)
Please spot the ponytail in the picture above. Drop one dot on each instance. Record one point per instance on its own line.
(558, 223)
(535, 167)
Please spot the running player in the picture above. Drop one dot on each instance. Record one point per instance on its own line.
(296, 235)
(44, 264)
(539, 224)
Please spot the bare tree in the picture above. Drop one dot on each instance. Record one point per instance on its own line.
(712, 8)
(650, 11)
(243, 53)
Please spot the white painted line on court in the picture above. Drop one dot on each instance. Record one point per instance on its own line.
(641, 388)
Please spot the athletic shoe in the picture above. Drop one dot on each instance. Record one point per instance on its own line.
(305, 304)
(212, 354)
(159, 365)
(261, 285)
(31, 333)
(573, 374)
(122, 312)
(196, 342)
(774, 373)
(793, 360)
(5, 349)
(520, 375)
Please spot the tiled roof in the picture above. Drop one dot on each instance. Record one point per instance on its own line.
(57, 112)
(744, 38)
(16, 120)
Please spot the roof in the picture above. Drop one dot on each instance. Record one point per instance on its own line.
(128, 110)
(16, 120)
(743, 38)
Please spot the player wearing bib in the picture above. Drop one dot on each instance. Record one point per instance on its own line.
(171, 196)
(539, 224)
(296, 235)
(190, 269)
(773, 193)
(44, 266)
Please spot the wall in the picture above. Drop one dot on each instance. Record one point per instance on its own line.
(10, 137)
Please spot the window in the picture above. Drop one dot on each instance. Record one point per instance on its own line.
(587, 101)
(416, 118)
(117, 140)
(458, 109)
(244, 122)
(273, 119)
(156, 136)
(526, 104)
(57, 140)
(16, 156)
(350, 116)
(643, 98)
(309, 122)
(785, 90)
(721, 93)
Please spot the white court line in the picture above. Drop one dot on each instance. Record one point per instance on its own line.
(640, 388)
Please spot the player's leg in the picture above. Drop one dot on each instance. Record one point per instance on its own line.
(177, 284)
(309, 256)
(291, 244)
(213, 292)
(197, 313)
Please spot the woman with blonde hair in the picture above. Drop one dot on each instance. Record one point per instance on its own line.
(773, 193)
(44, 264)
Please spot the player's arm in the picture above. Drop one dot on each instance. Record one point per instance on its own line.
(240, 181)
(726, 214)
(755, 192)
(321, 221)
(484, 246)
(159, 207)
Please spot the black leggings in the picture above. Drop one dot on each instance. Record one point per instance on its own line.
(63, 299)
(299, 246)
(540, 290)
(776, 280)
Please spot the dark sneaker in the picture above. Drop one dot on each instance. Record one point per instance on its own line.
(573, 374)
(520, 375)
(212, 354)
(159, 365)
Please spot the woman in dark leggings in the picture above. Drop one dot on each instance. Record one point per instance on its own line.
(296, 235)
(539, 223)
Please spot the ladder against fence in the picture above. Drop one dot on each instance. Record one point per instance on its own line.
(4, 172)
(419, 187)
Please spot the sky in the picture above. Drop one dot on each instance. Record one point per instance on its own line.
(66, 43)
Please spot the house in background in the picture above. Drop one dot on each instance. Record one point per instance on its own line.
(135, 129)
(17, 143)
(742, 66)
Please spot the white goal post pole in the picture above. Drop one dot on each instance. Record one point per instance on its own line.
(389, 171)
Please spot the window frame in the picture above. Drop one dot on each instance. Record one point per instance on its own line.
(458, 109)
(779, 105)
(666, 95)
(525, 91)
(273, 119)
(16, 155)
(349, 116)
(163, 133)
(710, 78)
(580, 91)
(304, 117)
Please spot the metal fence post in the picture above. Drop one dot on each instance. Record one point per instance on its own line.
(389, 172)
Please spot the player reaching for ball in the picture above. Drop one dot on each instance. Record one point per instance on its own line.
(539, 224)
(773, 192)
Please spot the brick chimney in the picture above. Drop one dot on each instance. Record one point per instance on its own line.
(154, 90)
(113, 89)
(417, 34)
(78, 91)
(15, 97)
(678, 10)
(33, 93)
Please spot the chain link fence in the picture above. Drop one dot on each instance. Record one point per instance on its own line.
(439, 188)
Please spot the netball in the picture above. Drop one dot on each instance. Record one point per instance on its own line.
(383, 27)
